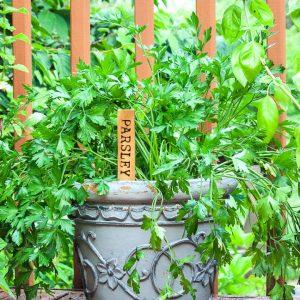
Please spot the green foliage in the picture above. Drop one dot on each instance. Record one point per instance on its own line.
(73, 140)
(231, 23)
(246, 62)
(267, 117)
(134, 277)
(261, 10)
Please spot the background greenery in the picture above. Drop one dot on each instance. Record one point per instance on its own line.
(108, 20)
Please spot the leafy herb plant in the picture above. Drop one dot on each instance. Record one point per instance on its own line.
(74, 139)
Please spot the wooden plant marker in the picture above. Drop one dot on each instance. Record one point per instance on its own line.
(126, 145)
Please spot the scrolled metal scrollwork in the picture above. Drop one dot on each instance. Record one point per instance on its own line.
(107, 271)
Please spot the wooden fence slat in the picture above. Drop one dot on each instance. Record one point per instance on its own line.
(277, 53)
(80, 32)
(277, 43)
(144, 16)
(206, 12)
(22, 53)
(80, 51)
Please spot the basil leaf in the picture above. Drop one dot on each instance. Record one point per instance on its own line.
(231, 23)
(250, 60)
(236, 66)
(297, 138)
(280, 95)
(267, 117)
(262, 12)
(246, 62)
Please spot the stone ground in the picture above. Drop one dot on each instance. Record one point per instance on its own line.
(79, 295)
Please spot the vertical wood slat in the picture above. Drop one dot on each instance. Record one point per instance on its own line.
(80, 32)
(144, 16)
(277, 43)
(206, 12)
(23, 56)
(277, 54)
(80, 51)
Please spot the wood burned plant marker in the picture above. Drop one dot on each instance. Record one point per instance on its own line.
(126, 145)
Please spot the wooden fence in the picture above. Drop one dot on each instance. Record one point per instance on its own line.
(144, 15)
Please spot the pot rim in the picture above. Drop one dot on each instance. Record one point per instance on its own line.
(143, 192)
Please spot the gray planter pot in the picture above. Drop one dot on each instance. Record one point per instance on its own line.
(108, 233)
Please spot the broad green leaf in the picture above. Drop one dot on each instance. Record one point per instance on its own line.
(4, 286)
(297, 138)
(11, 9)
(20, 67)
(264, 209)
(17, 237)
(280, 292)
(62, 64)
(84, 97)
(296, 80)
(132, 260)
(240, 165)
(54, 24)
(3, 244)
(17, 37)
(236, 66)
(250, 60)
(194, 21)
(280, 95)
(231, 23)
(157, 237)
(168, 166)
(267, 117)
(4, 24)
(262, 12)
(147, 223)
(134, 281)
(96, 115)
(295, 16)
(64, 145)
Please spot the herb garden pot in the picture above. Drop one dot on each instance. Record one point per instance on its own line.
(109, 233)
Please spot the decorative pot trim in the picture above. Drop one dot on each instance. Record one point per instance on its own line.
(143, 192)
(130, 215)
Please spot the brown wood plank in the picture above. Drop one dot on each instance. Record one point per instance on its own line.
(22, 53)
(144, 16)
(277, 45)
(80, 51)
(277, 53)
(80, 32)
(206, 12)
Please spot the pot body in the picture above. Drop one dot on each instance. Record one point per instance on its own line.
(108, 233)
